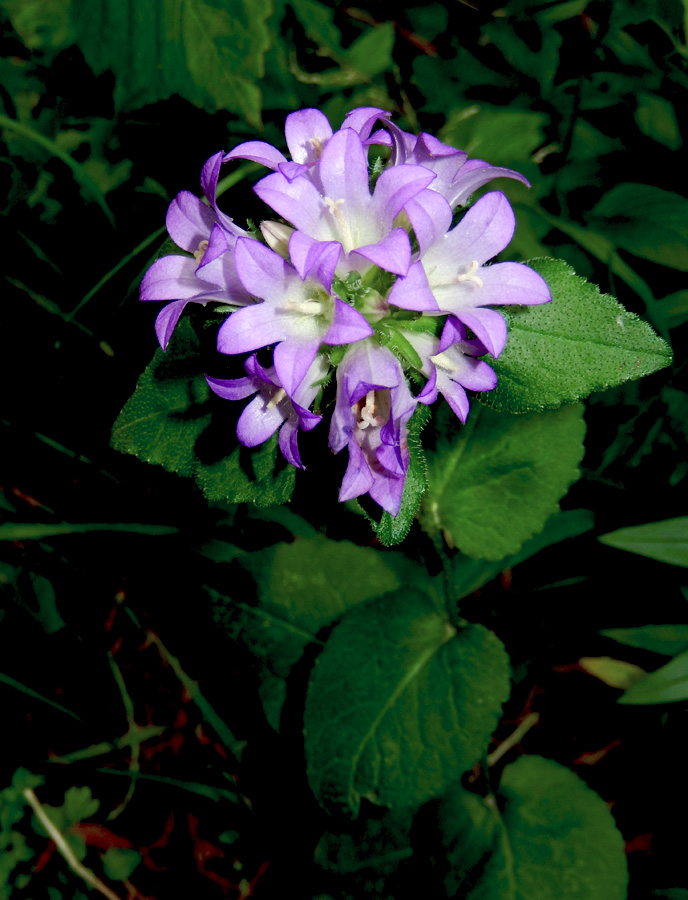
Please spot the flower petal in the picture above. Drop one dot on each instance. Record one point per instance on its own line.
(511, 282)
(474, 175)
(392, 253)
(487, 325)
(189, 221)
(251, 328)
(167, 320)
(483, 232)
(395, 187)
(299, 202)
(430, 216)
(358, 479)
(413, 291)
(262, 272)
(316, 258)
(347, 326)
(257, 151)
(293, 359)
(259, 420)
(307, 131)
(232, 388)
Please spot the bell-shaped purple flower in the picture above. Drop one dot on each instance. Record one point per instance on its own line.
(272, 408)
(334, 205)
(371, 414)
(450, 365)
(297, 313)
(451, 276)
(307, 131)
(210, 235)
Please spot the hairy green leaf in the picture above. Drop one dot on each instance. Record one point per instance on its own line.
(666, 541)
(399, 703)
(549, 837)
(561, 351)
(495, 484)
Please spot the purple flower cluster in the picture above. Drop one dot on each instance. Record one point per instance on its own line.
(363, 273)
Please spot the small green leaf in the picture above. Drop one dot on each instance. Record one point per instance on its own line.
(647, 221)
(666, 541)
(399, 703)
(666, 685)
(561, 351)
(668, 640)
(371, 53)
(495, 484)
(554, 838)
(656, 118)
(119, 864)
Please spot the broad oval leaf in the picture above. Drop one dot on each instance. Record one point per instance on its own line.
(400, 703)
(495, 484)
(561, 351)
(548, 834)
(666, 541)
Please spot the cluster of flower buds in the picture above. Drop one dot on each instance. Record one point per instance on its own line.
(362, 273)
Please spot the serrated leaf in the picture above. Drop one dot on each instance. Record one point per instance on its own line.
(495, 484)
(667, 685)
(399, 703)
(561, 351)
(208, 52)
(665, 639)
(666, 541)
(555, 838)
(647, 221)
(169, 416)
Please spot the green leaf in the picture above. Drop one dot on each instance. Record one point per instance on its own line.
(656, 118)
(647, 221)
(207, 51)
(554, 838)
(666, 541)
(469, 575)
(36, 531)
(666, 685)
(399, 703)
(561, 351)
(314, 580)
(495, 484)
(171, 419)
(666, 639)
(392, 530)
(371, 53)
(506, 137)
(119, 864)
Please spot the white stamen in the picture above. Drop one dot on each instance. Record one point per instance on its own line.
(442, 361)
(198, 254)
(335, 209)
(470, 274)
(307, 307)
(367, 412)
(317, 144)
(277, 397)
